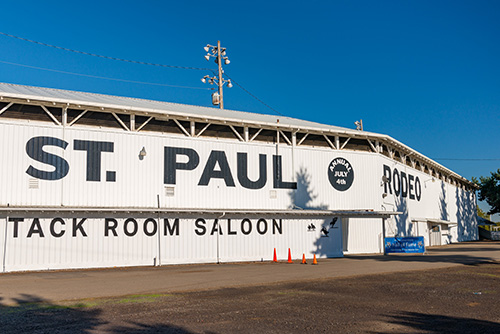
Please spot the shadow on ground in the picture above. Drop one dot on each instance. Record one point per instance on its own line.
(459, 259)
(431, 323)
(448, 254)
(32, 314)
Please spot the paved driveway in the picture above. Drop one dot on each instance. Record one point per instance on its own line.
(56, 286)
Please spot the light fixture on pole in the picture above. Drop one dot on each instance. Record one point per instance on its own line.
(359, 125)
(219, 54)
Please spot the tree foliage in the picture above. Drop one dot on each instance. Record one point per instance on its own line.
(482, 214)
(489, 190)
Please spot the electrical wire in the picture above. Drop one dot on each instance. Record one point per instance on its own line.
(128, 61)
(255, 97)
(100, 77)
(105, 57)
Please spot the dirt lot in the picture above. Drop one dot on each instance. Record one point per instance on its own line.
(463, 299)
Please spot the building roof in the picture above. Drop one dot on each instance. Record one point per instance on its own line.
(119, 104)
(158, 107)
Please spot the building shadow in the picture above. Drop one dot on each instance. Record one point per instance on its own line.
(31, 314)
(466, 216)
(432, 323)
(141, 328)
(443, 204)
(403, 228)
(303, 198)
(457, 259)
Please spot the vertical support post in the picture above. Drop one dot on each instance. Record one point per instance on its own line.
(132, 122)
(246, 133)
(5, 244)
(159, 230)
(64, 116)
(193, 128)
(294, 143)
(383, 235)
(337, 142)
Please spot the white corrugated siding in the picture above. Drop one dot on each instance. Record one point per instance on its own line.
(139, 183)
(43, 250)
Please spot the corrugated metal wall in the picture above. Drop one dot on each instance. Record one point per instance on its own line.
(46, 165)
(94, 241)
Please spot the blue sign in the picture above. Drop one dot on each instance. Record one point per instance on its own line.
(404, 245)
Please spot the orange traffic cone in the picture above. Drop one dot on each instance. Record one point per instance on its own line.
(304, 259)
(314, 260)
(275, 259)
(289, 256)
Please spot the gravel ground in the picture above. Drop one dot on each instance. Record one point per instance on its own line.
(464, 299)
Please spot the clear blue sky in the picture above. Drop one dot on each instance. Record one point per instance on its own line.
(424, 72)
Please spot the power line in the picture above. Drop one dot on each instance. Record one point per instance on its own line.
(106, 57)
(100, 77)
(255, 97)
(129, 61)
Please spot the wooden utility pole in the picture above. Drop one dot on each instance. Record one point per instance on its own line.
(221, 80)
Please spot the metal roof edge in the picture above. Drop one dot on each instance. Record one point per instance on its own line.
(318, 128)
(219, 212)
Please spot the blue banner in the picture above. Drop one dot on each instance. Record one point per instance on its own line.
(404, 245)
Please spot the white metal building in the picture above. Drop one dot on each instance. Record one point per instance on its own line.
(92, 180)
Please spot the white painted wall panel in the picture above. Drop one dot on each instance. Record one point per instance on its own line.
(140, 182)
(364, 236)
(35, 246)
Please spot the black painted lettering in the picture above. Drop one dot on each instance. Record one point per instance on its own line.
(278, 182)
(229, 231)
(248, 229)
(217, 158)
(396, 184)
(53, 231)
(34, 149)
(171, 165)
(411, 193)
(242, 167)
(404, 185)
(262, 226)
(387, 185)
(78, 226)
(201, 229)
(36, 228)
(418, 189)
(171, 229)
(110, 224)
(277, 226)
(216, 227)
(135, 227)
(145, 227)
(94, 149)
(16, 225)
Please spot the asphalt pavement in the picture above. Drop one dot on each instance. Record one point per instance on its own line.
(68, 285)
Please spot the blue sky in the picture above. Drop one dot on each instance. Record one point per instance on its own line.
(426, 73)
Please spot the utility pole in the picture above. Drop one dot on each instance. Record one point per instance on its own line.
(219, 54)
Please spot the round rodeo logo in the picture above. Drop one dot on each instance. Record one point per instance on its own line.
(340, 174)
